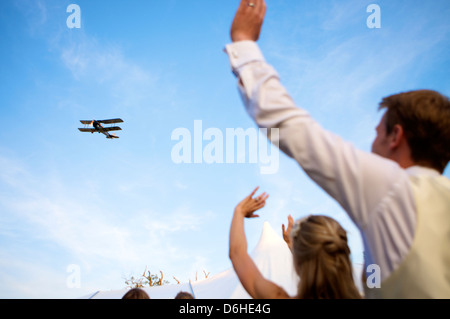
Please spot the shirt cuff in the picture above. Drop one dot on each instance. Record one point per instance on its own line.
(243, 52)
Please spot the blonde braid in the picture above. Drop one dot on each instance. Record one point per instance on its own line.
(321, 256)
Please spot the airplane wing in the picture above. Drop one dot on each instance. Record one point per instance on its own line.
(86, 122)
(112, 121)
(112, 128)
(87, 130)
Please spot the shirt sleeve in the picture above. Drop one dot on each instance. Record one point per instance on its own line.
(357, 180)
(375, 192)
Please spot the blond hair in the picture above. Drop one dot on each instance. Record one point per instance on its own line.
(322, 259)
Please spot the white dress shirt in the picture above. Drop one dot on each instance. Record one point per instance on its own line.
(374, 191)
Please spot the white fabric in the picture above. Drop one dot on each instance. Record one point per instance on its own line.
(272, 257)
(375, 192)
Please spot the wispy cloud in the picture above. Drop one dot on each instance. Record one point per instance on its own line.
(89, 235)
(36, 13)
(90, 61)
(71, 219)
(349, 67)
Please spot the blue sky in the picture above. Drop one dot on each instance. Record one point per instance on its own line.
(115, 207)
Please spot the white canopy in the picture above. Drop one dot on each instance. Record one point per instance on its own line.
(272, 257)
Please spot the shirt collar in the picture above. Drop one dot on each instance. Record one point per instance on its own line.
(421, 170)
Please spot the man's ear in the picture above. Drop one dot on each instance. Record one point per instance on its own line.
(396, 137)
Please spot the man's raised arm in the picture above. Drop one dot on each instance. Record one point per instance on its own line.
(339, 168)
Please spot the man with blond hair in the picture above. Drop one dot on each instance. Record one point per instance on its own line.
(396, 195)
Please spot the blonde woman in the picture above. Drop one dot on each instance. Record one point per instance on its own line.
(320, 251)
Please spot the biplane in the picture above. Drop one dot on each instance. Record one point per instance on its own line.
(96, 126)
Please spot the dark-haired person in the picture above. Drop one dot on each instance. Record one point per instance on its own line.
(184, 295)
(396, 195)
(136, 293)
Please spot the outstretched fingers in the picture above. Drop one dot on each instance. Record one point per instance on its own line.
(254, 191)
(262, 197)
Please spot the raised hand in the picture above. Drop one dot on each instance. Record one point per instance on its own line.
(248, 20)
(249, 205)
(287, 231)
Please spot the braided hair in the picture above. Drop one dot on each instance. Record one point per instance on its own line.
(322, 259)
